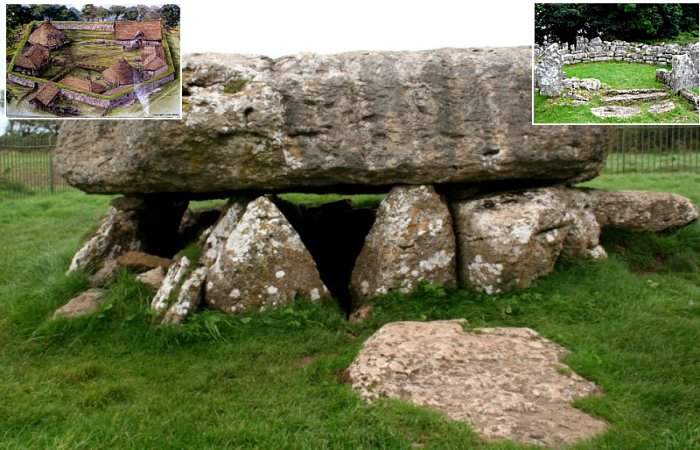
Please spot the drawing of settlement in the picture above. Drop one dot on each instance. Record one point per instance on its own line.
(100, 61)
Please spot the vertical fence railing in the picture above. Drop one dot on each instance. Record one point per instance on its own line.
(27, 166)
(655, 149)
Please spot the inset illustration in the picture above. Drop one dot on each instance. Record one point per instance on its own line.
(616, 63)
(99, 61)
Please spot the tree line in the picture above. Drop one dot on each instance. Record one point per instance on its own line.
(21, 14)
(632, 22)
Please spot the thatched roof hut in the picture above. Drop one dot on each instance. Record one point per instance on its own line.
(121, 73)
(154, 57)
(33, 58)
(128, 30)
(83, 85)
(46, 94)
(48, 35)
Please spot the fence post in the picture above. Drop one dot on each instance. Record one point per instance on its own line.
(52, 180)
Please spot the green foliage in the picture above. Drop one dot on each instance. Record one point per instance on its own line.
(636, 22)
(171, 15)
(359, 200)
(618, 75)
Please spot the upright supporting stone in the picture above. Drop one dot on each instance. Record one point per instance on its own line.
(411, 240)
(684, 72)
(549, 78)
(643, 211)
(509, 240)
(215, 238)
(263, 264)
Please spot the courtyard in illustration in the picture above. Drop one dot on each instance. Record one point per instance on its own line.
(124, 65)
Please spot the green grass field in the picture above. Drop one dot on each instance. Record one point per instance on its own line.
(617, 75)
(271, 380)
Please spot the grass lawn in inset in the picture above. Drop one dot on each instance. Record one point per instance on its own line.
(272, 379)
(616, 75)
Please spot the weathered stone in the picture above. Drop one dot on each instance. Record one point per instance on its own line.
(107, 273)
(188, 298)
(118, 233)
(215, 238)
(590, 84)
(354, 119)
(623, 112)
(634, 98)
(153, 278)
(643, 211)
(132, 224)
(362, 313)
(86, 303)
(509, 240)
(143, 262)
(549, 78)
(684, 72)
(263, 264)
(663, 107)
(168, 289)
(583, 238)
(663, 76)
(508, 383)
(412, 239)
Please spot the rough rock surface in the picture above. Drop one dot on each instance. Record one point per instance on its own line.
(663, 107)
(616, 111)
(118, 233)
(634, 98)
(188, 298)
(85, 303)
(263, 264)
(549, 78)
(360, 118)
(641, 210)
(168, 289)
(509, 240)
(582, 240)
(684, 74)
(153, 278)
(106, 274)
(215, 238)
(412, 239)
(142, 262)
(508, 383)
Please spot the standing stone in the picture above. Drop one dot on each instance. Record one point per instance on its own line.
(167, 293)
(215, 238)
(263, 264)
(643, 211)
(509, 240)
(412, 239)
(583, 238)
(549, 77)
(188, 298)
(118, 233)
(684, 72)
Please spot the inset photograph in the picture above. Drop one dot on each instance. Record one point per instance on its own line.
(605, 63)
(93, 61)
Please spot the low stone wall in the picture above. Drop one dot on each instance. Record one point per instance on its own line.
(21, 80)
(78, 97)
(597, 50)
(107, 26)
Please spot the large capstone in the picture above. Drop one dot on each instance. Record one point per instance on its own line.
(353, 119)
(411, 240)
(262, 265)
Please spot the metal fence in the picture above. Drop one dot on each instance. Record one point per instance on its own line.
(27, 162)
(655, 149)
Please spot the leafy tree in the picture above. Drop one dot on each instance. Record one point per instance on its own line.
(117, 11)
(101, 13)
(171, 15)
(630, 21)
(41, 12)
(65, 13)
(132, 13)
(88, 12)
(17, 15)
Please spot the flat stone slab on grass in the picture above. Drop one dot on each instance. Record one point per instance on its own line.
(663, 107)
(634, 98)
(86, 303)
(508, 383)
(616, 111)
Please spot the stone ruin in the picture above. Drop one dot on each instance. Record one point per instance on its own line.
(476, 194)
(551, 80)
